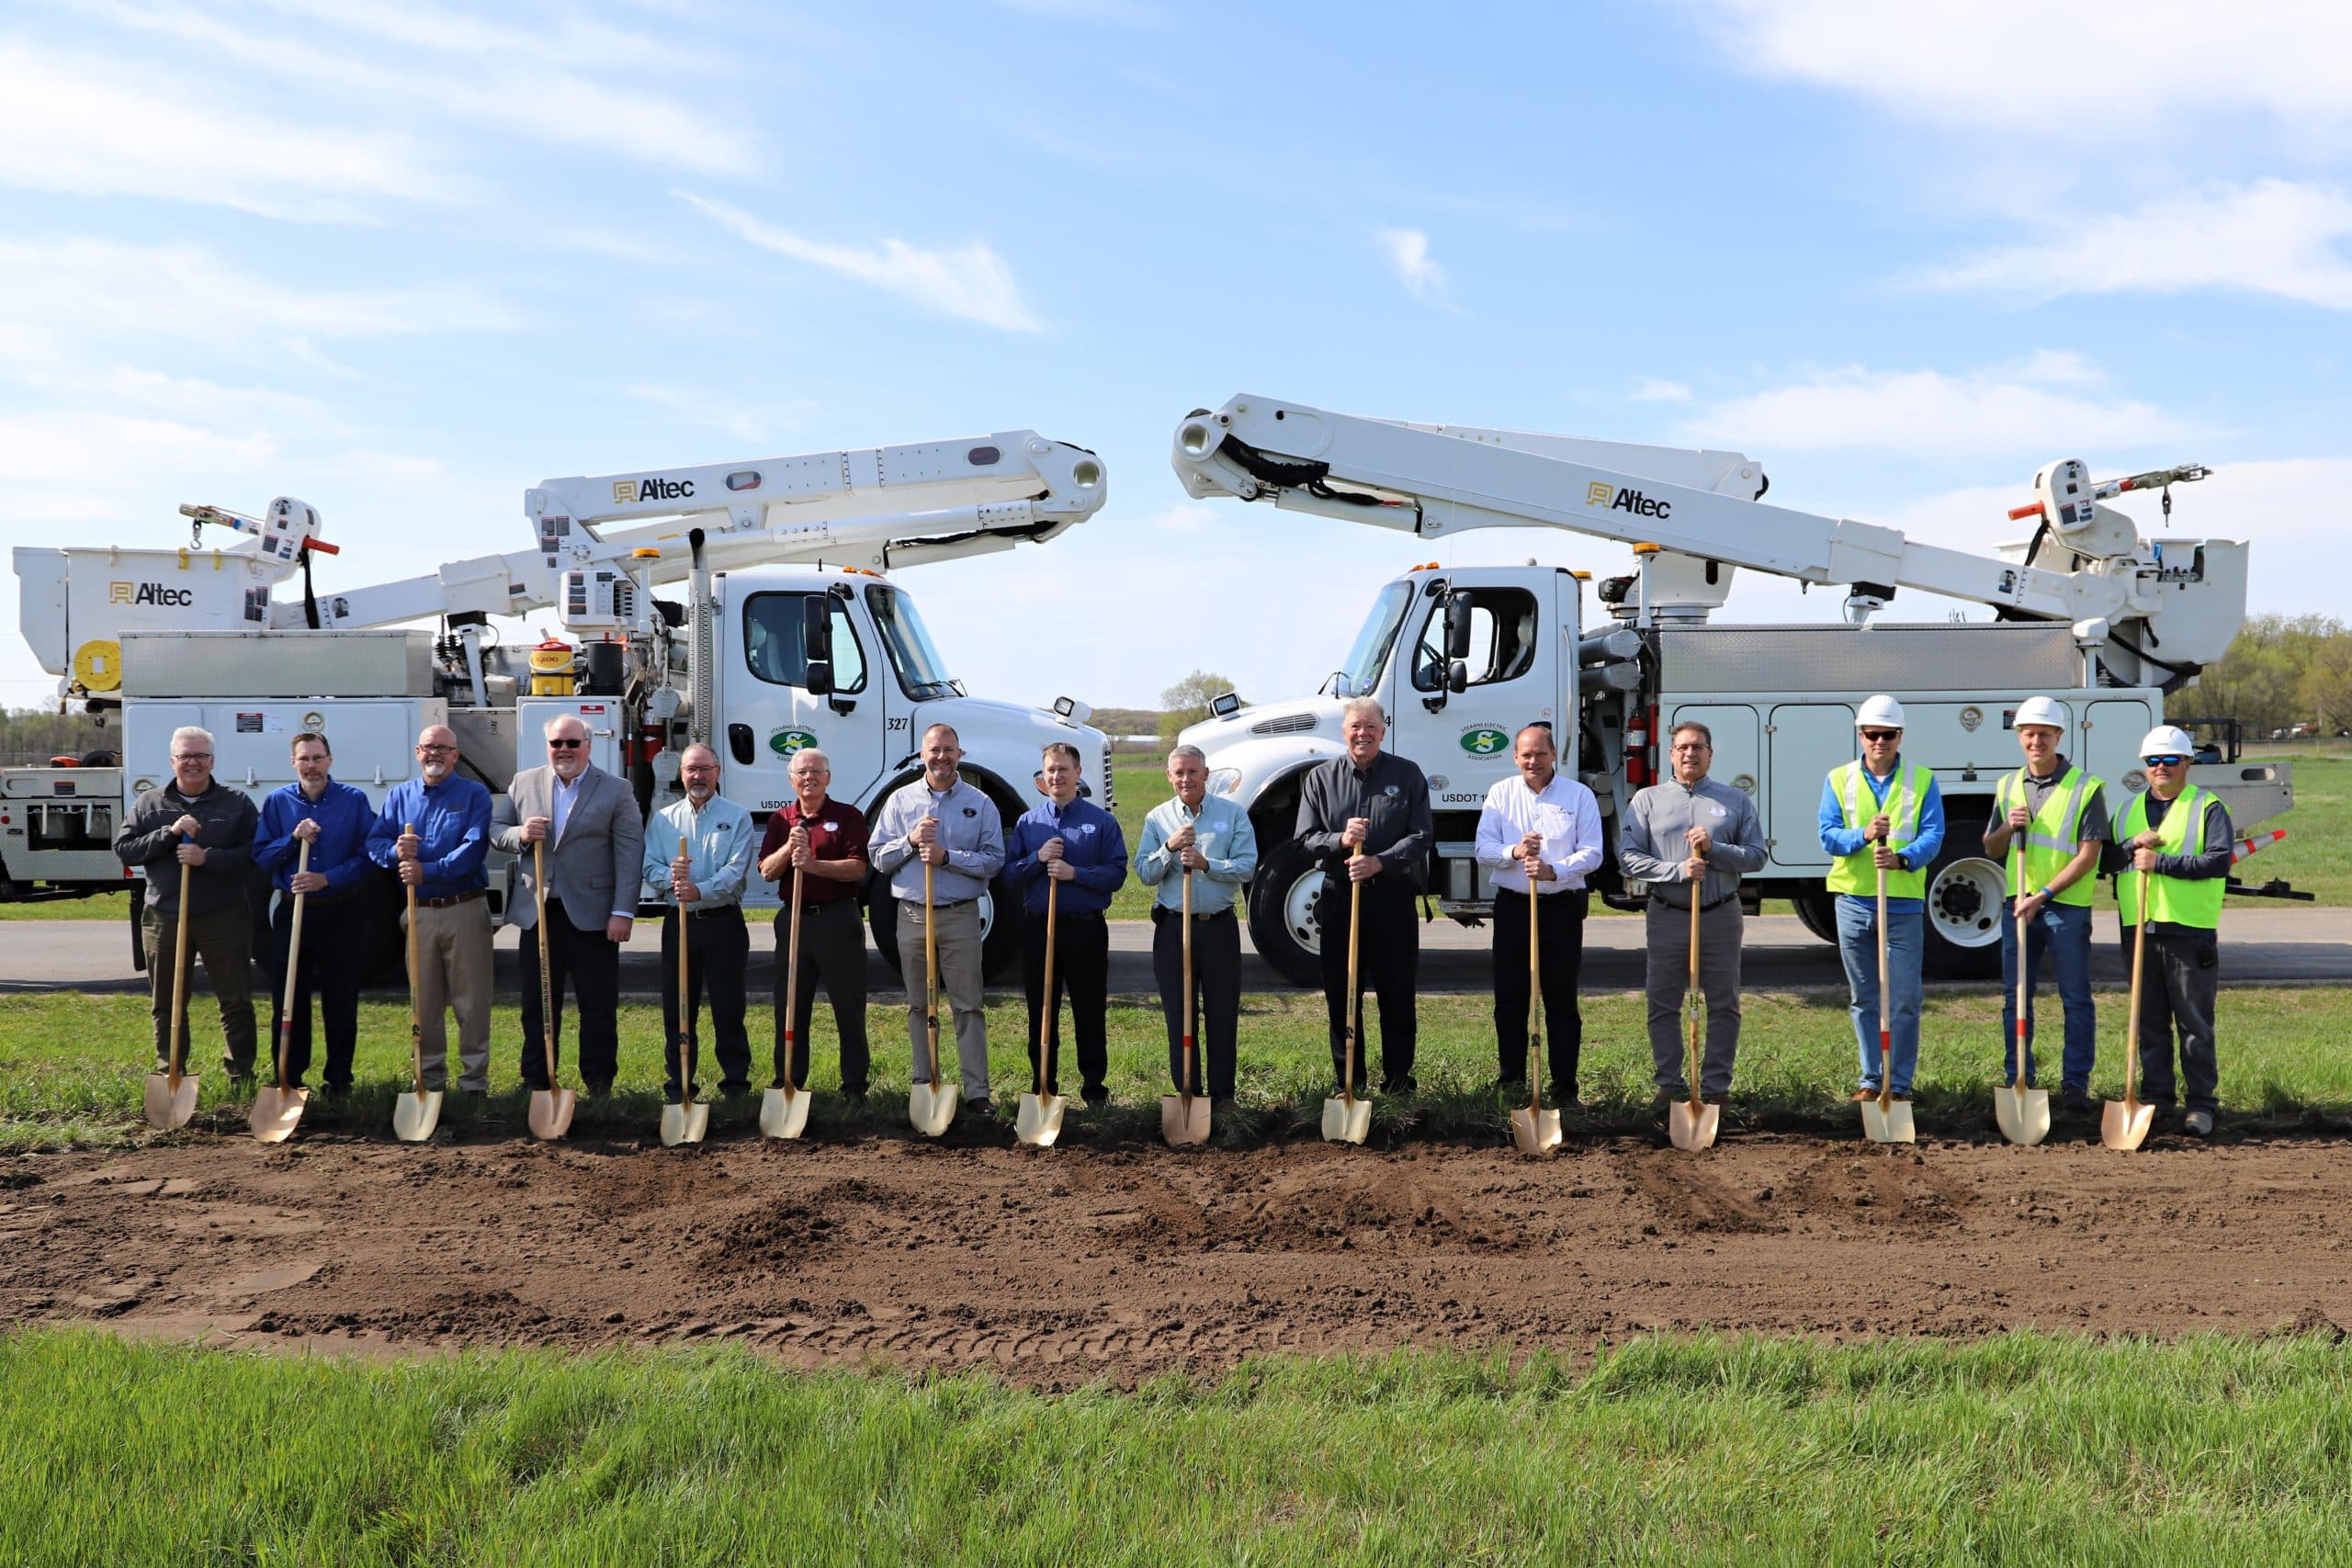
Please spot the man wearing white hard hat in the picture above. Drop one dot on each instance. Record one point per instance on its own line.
(2180, 836)
(1879, 815)
(2049, 819)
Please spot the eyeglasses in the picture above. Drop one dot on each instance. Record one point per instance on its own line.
(1881, 735)
(435, 750)
(192, 756)
(2165, 761)
(566, 745)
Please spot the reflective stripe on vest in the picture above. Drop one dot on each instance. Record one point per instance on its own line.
(2173, 900)
(2048, 842)
(1906, 795)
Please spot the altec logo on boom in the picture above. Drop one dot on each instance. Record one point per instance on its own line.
(1599, 493)
(628, 492)
(148, 593)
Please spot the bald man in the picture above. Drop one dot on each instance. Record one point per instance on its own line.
(702, 890)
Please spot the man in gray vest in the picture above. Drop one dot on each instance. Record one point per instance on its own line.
(1689, 837)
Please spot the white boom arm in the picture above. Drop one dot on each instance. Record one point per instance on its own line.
(1431, 481)
(877, 506)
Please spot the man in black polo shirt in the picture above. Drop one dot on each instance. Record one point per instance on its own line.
(827, 841)
(1377, 803)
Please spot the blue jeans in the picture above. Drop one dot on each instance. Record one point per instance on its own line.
(2064, 932)
(1907, 932)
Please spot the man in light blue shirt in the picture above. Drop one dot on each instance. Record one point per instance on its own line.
(941, 821)
(1213, 839)
(706, 882)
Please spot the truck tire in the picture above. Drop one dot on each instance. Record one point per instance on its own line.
(1965, 907)
(1282, 926)
(1000, 939)
(1817, 910)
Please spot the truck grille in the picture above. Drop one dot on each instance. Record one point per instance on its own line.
(1109, 801)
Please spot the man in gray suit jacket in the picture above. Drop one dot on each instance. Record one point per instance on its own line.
(595, 842)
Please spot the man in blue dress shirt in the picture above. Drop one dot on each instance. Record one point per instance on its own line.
(333, 818)
(443, 861)
(1077, 844)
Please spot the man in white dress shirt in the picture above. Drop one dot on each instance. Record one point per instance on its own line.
(1542, 828)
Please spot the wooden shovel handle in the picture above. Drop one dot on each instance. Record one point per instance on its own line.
(415, 1009)
(293, 966)
(1046, 1006)
(2138, 964)
(179, 976)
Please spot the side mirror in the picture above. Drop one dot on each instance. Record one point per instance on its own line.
(1457, 627)
(817, 629)
(820, 678)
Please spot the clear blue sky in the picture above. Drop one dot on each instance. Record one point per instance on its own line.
(403, 261)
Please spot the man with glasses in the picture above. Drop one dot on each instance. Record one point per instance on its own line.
(704, 888)
(2180, 836)
(1877, 817)
(826, 841)
(194, 839)
(1690, 837)
(332, 819)
(443, 861)
(2050, 817)
(595, 847)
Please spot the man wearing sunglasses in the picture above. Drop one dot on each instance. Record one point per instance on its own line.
(2180, 836)
(2051, 816)
(1876, 816)
(594, 845)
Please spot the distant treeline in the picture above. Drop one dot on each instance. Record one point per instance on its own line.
(35, 735)
(2284, 675)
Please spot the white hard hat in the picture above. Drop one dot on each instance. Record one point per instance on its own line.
(1880, 713)
(2168, 740)
(2039, 710)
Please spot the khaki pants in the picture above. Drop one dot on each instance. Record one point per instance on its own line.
(453, 975)
(959, 986)
(223, 941)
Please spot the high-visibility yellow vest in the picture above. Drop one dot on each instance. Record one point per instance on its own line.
(2050, 840)
(2174, 899)
(1907, 793)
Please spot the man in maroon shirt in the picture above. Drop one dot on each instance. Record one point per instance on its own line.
(827, 841)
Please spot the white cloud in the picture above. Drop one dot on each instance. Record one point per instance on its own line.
(1651, 389)
(541, 85)
(1408, 250)
(2271, 237)
(93, 128)
(752, 423)
(2051, 398)
(57, 298)
(971, 283)
(2078, 72)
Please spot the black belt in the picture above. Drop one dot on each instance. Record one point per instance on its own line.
(1685, 908)
(818, 907)
(937, 904)
(319, 900)
(724, 909)
(1161, 912)
(452, 898)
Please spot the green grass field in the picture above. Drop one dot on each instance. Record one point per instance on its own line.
(71, 1068)
(2013, 1449)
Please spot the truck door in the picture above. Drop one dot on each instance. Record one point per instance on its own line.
(768, 712)
(1512, 668)
(1807, 739)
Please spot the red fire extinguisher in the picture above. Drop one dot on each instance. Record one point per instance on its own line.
(1637, 748)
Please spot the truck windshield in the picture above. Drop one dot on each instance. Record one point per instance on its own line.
(1370, 654)
(922, 673)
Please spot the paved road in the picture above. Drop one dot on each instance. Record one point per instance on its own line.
(2298, 944)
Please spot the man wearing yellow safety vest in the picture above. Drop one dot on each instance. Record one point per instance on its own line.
(2052, 816)
(2180, 836)
(1878, 815)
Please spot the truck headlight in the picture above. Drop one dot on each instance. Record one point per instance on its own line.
(1225, 781)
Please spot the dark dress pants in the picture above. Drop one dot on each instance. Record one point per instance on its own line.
(1083, 973)
(1560, 917)
(1216, 990)
(592, 962)
(333, 933)
(1388, 956)
(717, 947)
(832, 949)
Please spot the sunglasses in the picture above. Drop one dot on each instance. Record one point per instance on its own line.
(2165, 761)
(566, 745)
(1881, 735)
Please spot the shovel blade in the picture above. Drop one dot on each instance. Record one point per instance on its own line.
(1346, 1121)
(2023, 1114)
(1184, 1119)
(1039, 1121)
(415, 1115)
(275, 1112)
(932, 1106)
(1888, 1123)
(170, 1105)
(1536, 1132)
(550, 1113)
(684, 1122)
(1692, 1125)
(784, 1115)
(2123, 1126)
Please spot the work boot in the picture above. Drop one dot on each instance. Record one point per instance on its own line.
(1865, 1092)
(1095, 1096)
(2197, 1123)
(1405, 1084)
(2079, 1102)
